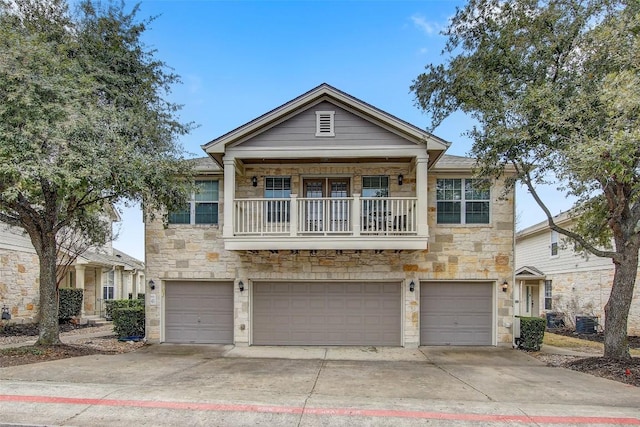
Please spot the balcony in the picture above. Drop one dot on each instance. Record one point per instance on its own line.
(327, 223)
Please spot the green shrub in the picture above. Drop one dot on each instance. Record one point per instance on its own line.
(69, 303)
(531, 333)
(127, 316)
(113, 304)
(128, 322)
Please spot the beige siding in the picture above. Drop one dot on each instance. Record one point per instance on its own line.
(349, 129)
(535, 251)
(12, 238)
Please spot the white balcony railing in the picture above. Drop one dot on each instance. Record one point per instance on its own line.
(299, 217)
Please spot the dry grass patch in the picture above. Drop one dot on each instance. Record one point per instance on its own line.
(577, 344)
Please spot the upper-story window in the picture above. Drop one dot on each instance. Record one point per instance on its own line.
(554, 243)
(463, 201)
(375, 186)
(325, 123)
(202, 208)
(277, 187)
(375, 189)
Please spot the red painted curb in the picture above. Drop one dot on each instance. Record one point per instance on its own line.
(387, 413)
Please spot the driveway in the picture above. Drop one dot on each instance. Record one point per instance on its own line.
(311, 386)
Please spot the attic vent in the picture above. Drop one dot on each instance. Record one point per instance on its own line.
(324, 123)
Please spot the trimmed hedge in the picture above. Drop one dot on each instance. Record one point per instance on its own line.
(113, 304)
(531, 333)
(69, 303)
(128, 323)
(128, 317)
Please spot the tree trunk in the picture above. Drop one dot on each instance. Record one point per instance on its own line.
(49, 324)
(616, 311)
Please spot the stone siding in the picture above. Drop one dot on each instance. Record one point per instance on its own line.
(585, 293)
(20, 285)
(470, 253)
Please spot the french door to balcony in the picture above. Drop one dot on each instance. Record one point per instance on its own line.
(325, 207)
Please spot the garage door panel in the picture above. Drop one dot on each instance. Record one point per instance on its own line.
(199, 312)
(335, 305)
(456, 313)
(328, 314)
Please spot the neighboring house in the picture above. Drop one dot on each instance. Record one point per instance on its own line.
(552, 278)
(103, 273)
(327, 221)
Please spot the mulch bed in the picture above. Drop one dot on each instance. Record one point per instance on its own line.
(32, 330)
(35, 354)
(624, 371)
(81, 346)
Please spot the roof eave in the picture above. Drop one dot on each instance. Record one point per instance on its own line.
(217, 147)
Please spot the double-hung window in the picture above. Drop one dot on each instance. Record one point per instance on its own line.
(202, 207)
(375, 189)
(277, 188)
(554, 243)
(463, 201)
(548, 294)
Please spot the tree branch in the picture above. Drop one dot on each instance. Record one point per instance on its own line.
(526, 178)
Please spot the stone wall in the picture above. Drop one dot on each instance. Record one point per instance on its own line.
(471, 253)
(585, 293)
(20, 285)
(475, 252)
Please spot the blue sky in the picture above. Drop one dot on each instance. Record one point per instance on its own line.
(240, 59)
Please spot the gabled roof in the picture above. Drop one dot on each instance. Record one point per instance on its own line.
(529, 272)
(453, 163)
(561, 219)
(118, 258)
(325, 92)
(204, 165)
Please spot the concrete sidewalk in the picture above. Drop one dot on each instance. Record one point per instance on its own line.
(283, 386)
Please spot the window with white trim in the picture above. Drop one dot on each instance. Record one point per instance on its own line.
(202, 208)
(325, 123)
(277, 187)
(463, 201)
(554, 243)
(108, 287)
(548, 294)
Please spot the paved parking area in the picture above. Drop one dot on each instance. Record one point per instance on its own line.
(311, 386)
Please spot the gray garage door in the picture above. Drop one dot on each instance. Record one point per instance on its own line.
(456, 313)
(313, 313)
(199, 312)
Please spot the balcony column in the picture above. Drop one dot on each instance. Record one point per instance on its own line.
(229, 196)
(422, 165)
(293, 216)
(355, 215)
(80, 284)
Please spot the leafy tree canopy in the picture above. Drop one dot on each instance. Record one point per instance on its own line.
(84, 123)
(555, 88)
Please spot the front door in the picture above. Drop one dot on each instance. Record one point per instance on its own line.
(326, 208)
(531, 303)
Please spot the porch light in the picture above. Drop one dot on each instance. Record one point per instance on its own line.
(412, 286)
(400, 178)
(505, 286)
(254, 181)
(241, 286)
(152, 284)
